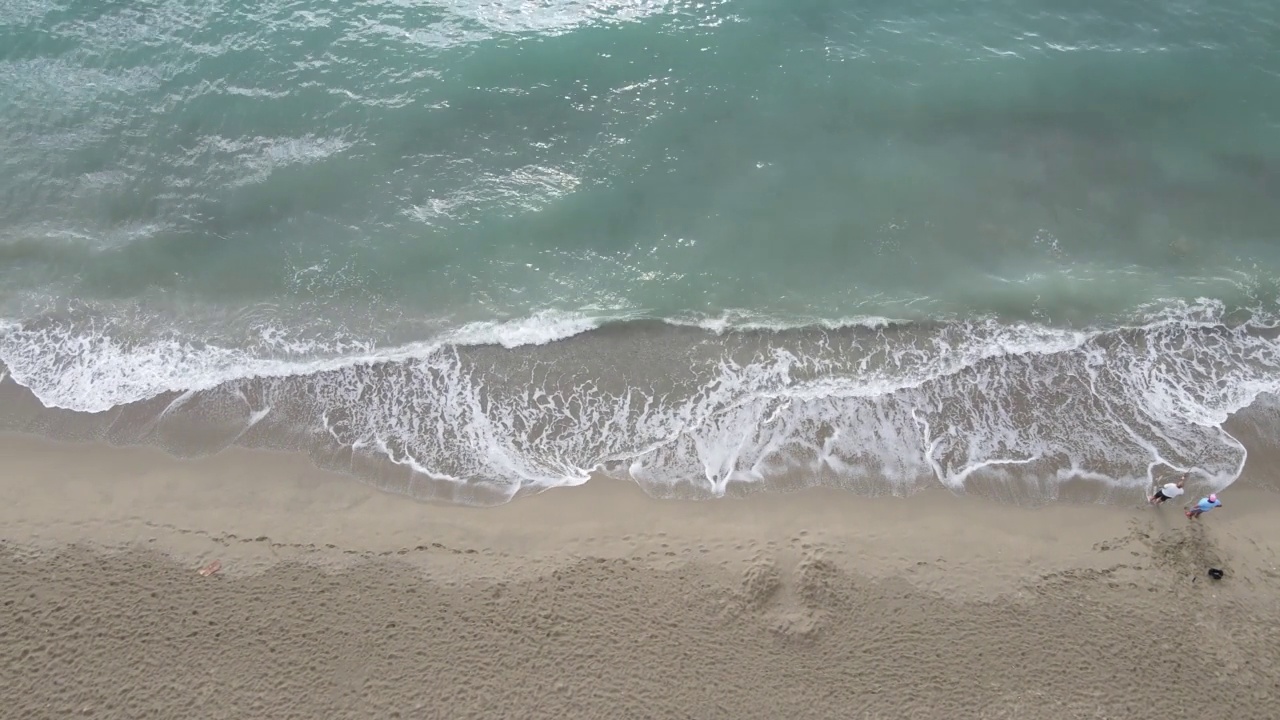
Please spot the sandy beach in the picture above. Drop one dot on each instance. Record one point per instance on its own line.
(334, 600)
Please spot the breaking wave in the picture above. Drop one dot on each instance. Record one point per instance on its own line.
(694, 408)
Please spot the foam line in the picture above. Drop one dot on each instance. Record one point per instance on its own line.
(548, 400)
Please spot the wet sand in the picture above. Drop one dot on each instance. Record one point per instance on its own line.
(335, 600)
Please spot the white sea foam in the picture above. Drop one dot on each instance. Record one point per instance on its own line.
(889, 403)
(87, 367)
(739, 320)
(537, 329)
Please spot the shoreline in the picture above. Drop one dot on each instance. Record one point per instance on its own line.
(599, 601)
(894, 410)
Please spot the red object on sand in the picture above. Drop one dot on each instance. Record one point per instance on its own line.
(211, 568)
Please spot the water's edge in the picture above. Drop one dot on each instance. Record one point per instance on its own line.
(1018, 412)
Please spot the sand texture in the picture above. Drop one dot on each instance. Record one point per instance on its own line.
(334, 601)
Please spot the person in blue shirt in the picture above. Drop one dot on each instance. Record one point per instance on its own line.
(1203, 505)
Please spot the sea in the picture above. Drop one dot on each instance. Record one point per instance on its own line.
(473, 249)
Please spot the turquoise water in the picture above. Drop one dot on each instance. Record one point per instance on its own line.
(874, 237)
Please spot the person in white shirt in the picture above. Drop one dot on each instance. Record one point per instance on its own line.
(1169, 491)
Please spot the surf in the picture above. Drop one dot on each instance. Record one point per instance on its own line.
(687, 410)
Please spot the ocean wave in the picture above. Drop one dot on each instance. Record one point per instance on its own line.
(91, 366)
(740, 320)
(496, 408)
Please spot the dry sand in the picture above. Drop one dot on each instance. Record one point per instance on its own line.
(337, 601)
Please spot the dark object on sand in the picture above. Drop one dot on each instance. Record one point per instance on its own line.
(1215, 573)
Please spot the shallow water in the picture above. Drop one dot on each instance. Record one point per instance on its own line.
(503, 245)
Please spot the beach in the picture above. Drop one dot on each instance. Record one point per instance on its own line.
(622, 359)
(336, 600)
